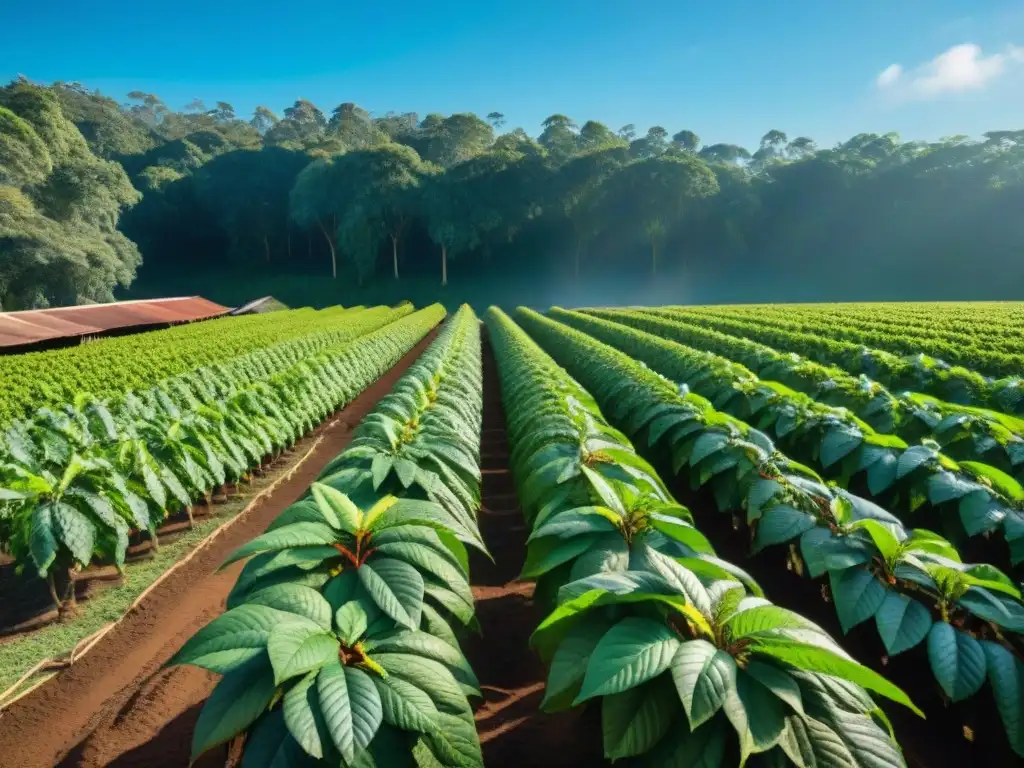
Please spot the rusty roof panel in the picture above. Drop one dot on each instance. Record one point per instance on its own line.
(18, 328)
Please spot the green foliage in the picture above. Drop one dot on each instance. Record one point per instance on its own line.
(906, 479)
(912, 582)
(683, 652)
(337, 643)
(59, 207)
(77, 479)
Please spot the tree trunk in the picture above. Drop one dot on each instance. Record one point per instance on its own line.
(444, 265)
(330, 244)
(394, 254)
(62, 589)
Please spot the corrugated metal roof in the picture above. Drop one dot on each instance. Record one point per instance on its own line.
(33, 326)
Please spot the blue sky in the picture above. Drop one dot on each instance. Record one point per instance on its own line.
(726, 69)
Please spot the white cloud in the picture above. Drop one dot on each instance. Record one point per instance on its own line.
(889, 75)
(961, 68)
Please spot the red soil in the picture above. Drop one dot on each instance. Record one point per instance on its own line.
(513, 732)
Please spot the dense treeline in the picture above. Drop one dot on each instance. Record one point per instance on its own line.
(87, 184)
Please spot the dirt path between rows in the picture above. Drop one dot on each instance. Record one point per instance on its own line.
(116, 707)
(513, 731)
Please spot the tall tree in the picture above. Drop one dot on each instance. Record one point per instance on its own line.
(59, 208)
(575, 190)
(381, 184)
(654, 193)
(594, 135)
(353, 126)
(302, 125)
(559, 138)
(248, 193)
(724, 153)
(443, 205)
(263, 120)
(686, 141)
(458, 138)
(311, 202)
(653, 144)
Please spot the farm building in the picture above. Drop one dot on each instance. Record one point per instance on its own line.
(40, 329)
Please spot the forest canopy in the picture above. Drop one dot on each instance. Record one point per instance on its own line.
(89, 188)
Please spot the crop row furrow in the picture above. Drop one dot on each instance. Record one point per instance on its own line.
(964, 499)
(911, 583)
(685, 655)
(340, 638)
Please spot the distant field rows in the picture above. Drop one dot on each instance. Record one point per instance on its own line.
(1006, 359)
(982, 331)
(110, 367)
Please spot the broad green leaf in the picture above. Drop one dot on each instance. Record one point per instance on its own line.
(682, 748)
(352, 621)
(957, 660)
(707, 444)
(74, 530)
(381, 468)
(232, 639)
(882, 535)
(633, 721)
(301, 712)
(683, 579)
(819, 659)
(406, 472)
(296, 535)
(337, 508)
(569, 664)
(778, 682)
(431, 676)
(1006, 675)
(757, 715)
(575, 522)
(430, 561)
(760, 493)
(754, 616)
(632, 652)
(240, 697)
(351, 707)
(857, 595)
(681, 531)
(298, 646)
(270, 745)
(426, 645)
(546, 554)
(902, 622)
(42, 541)
(294, 598)
(780, 524)
(605, 492)
(396, 587)
(837, 444)
(808, 742)
(703, 676)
